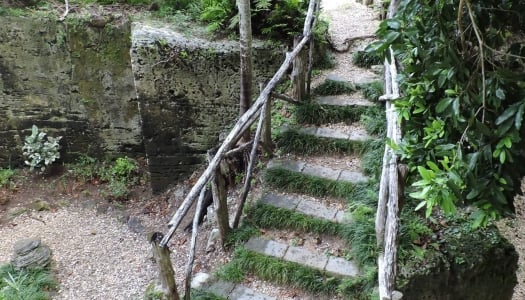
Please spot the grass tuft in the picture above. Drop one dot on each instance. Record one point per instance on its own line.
(268, 216)
(315, 113)
(204, 295)
(293, 274)
(292, 141)
(31, 284)
(334, 87)
(360, 234)
(372, 91)
(312, 185)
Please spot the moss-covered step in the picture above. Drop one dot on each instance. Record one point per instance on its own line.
(335, 266)
(207, 287)
(299, 204)
(321, 140)
(332, 109)
(310, 169)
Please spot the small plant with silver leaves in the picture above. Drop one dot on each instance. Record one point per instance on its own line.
(40, 149)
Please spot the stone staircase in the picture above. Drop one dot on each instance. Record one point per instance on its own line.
(316, 206)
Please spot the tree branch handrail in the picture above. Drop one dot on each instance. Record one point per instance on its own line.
(243, 123)
(387, 216)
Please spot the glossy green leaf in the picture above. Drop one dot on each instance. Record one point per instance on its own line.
(443, 104)
(509, 112)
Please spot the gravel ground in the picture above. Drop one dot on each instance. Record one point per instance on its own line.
(97, 257)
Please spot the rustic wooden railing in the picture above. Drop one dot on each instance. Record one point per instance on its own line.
(391, 184)
(261, 108)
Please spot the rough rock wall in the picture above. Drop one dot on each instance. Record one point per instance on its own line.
(477, 265)
(78, 80)
(188, 95)
(70, 79)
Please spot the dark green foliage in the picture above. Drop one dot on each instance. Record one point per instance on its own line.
(374, 120)
(373, 90)
(292, 141)
(268, 216)
(315, 186)
(270, 18)
(334, 87)
(32, 284)
(366, 59)
(372, 159)
(315, 113)
(360, 234)
(463, 103)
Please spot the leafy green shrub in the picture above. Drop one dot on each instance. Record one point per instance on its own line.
(40, 150)
(462, 107)
(124, 169)
(5, 177)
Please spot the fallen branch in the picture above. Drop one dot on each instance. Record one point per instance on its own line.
(347, 43)
(286, 98)
(63, 17)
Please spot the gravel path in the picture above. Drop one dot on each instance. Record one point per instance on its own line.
(97, 257)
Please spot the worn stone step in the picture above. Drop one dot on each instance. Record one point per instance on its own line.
(228, 290)
(335, 266)
(354, 133)
(353, 99)
(311, 169)
(304, 206)
(358, 76)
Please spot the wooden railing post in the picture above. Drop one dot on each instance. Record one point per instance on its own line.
(299, 72)
(166, 273)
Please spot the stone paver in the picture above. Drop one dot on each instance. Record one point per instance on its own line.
(221, 288)
(291, 165)
(241, 292)
(304, 206)
(341, 217)
(331, 133)
(305, 257)
(317, 210)
(320, 171)
(355, 99)
(352, 176)
(287, 202)
(266, 247)
(341, 266)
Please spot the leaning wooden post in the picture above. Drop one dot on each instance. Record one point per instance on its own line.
(220, 201)
(193, 245)
(251, 163)
(266, 134)
(166, 273)
(299, 72)
(311, 51)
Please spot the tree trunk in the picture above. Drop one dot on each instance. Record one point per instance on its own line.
(245, 33)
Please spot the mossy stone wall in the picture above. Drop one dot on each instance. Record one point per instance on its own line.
(120, 89)
(188, 92)
(70, 79)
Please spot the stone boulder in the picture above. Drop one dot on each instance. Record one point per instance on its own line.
(31, 253)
